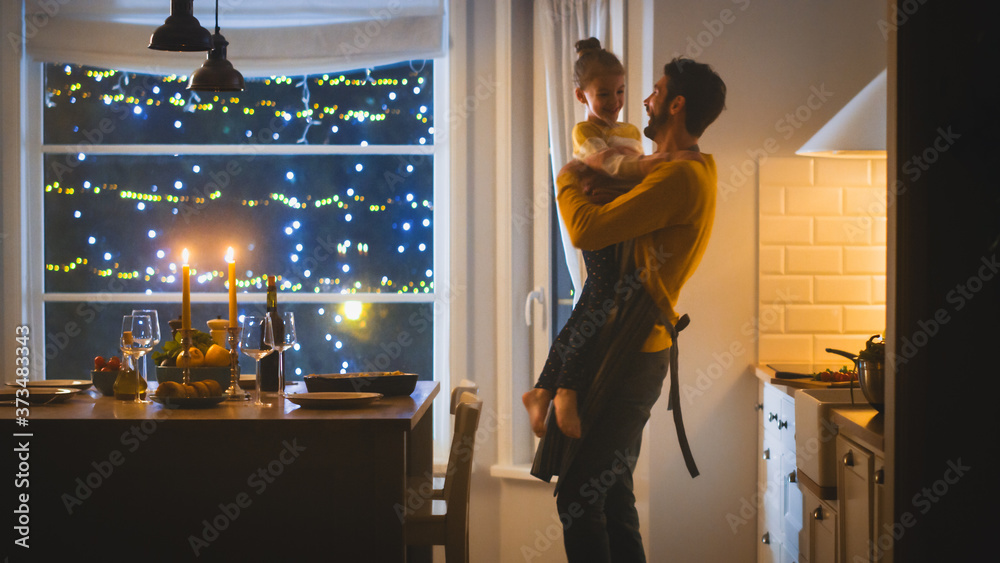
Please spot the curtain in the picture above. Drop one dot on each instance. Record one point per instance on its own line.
(561, 24)
(266, 37)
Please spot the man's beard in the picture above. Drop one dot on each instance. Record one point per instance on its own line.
(657, 122)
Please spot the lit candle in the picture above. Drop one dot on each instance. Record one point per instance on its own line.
(186, 292)
(231, 259)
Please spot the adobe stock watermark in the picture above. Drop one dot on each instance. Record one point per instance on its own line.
(567, 514)
(35, 20)
(371, 29)
(922, 503)
(104, 467)
(901, 12)
(258, 480)
(705, 377)
(696, 44)
(418, 497)
(785, 126)
(909, 345)
(913, 168)
(418, 323)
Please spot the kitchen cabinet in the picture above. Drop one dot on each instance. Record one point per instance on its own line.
(779, 516)
(855, 492)
(818, 537)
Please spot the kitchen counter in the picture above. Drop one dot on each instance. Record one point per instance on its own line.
(862, 424)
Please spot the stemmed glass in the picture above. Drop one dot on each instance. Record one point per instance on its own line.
(155, 323)
(286, 341)
(257, 341)
(136, 341)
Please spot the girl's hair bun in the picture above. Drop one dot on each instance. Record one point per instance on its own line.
(589, 44)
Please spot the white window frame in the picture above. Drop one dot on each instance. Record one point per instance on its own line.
(530, 291)
(31, 255)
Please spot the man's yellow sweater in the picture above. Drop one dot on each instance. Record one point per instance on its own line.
(669, 215)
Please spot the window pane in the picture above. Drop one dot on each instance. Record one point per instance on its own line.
(390, 105)
(381, 337)
(323, 223)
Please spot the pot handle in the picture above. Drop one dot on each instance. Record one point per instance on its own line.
(847, 355)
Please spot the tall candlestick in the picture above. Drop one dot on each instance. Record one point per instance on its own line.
(231, 259)
(186, 292)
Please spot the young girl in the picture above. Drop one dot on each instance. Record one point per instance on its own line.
(615, 148)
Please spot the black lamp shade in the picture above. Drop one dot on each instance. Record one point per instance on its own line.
(181, 31)
(217, 74)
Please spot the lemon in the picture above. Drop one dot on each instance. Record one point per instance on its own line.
(216, 356)
(193, 359)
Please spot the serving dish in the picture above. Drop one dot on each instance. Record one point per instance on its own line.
(187, 402)
(388, 383)
(171, 373)
(333, 400)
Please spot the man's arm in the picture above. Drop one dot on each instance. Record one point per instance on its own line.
(664, 197)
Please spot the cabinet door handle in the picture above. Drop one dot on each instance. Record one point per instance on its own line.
(758, 407)
(791, 477)
(818, 513)
(767, 454)
(766, 538)
(772, 416)
(880, 477)
(849, 459)
(782, 424)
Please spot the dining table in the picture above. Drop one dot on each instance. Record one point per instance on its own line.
(113, 480)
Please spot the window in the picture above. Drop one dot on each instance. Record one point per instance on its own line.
(326, 181)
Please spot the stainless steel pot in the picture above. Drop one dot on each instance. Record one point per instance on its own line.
(870, 364)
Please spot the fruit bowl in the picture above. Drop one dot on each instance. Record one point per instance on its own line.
(219, 374)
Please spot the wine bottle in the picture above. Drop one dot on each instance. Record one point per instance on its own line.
(272, 363)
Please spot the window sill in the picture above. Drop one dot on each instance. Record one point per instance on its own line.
(518, 472)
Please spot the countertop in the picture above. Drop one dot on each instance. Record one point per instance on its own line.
(861, 423)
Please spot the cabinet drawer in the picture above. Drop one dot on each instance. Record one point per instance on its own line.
(772, 409)
(818, 537)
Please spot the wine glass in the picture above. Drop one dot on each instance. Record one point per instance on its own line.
(257, 341)
(284, 342)
(155, 320)
(136, 341)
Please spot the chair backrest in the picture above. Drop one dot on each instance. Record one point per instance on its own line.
(464, 386)
(458, 479)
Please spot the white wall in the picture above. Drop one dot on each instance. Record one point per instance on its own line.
(777, 58)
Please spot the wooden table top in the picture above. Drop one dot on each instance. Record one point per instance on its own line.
(405, 410)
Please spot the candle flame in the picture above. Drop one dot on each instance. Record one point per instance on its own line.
(230, 255)
(184, 256)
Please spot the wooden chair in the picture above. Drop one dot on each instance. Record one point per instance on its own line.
(444, 518)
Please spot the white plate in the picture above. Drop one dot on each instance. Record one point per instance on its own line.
(333, 400)
(40, 395)
(80, 384)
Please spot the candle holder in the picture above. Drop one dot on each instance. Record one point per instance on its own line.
(235, 392)
(184, 357)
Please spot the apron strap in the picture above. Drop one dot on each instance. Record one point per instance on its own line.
(674, 400)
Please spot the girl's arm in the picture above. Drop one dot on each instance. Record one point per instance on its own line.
(626, 164)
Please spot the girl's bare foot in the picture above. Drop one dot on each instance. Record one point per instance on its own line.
(567, 417)
(537, 402)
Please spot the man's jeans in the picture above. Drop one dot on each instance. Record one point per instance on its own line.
(595, 501)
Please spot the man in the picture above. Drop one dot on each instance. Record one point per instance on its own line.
(664, 224)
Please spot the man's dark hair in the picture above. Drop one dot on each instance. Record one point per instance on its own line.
(703, 90)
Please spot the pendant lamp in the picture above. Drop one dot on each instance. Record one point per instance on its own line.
(217, 74)
(181, 31)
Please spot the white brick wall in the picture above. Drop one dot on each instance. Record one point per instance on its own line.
(822, 257)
